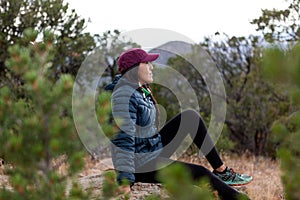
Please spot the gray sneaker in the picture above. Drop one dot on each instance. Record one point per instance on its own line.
(230, 177)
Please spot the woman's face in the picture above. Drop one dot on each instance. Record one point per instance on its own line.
(145, 73)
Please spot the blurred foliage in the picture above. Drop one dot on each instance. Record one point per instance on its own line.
(18, 17)
(38, 130)
(280, 25)
(224, 143)
(110, 186)
(110, 45)
(36, 79)
(282, 68)
(252, 103)
(179, 184)
(103, 110)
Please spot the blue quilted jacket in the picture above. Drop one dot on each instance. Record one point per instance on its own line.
(138, 140)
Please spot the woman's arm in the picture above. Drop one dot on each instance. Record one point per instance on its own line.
(124, 109)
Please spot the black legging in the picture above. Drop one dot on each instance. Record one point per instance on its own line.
(180, 126)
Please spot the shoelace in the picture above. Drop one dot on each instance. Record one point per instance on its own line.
(234, 174)
(230, 174)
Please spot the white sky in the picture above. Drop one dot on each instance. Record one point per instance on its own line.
(192, 18)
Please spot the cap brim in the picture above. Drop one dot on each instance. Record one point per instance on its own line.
(150, 57)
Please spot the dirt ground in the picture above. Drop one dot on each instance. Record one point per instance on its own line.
(266, 184)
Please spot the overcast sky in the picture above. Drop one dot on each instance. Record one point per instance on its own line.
(192, 18)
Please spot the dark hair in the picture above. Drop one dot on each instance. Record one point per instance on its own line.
(132, 74)
(156, 105)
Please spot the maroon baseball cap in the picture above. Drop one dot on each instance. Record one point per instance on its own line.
(133, 56)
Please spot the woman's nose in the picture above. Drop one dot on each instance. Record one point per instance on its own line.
(150, 66)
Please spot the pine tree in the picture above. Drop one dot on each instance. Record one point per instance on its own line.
(37, 129)
(282, 68)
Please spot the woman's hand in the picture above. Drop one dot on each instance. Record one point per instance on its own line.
(124, 190)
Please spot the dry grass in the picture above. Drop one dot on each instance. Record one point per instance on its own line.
(266, 184)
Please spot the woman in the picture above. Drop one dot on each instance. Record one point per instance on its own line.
(139, 148)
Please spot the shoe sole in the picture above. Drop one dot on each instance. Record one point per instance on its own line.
(236, 185)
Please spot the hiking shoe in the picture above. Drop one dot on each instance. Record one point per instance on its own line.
(232, 178)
